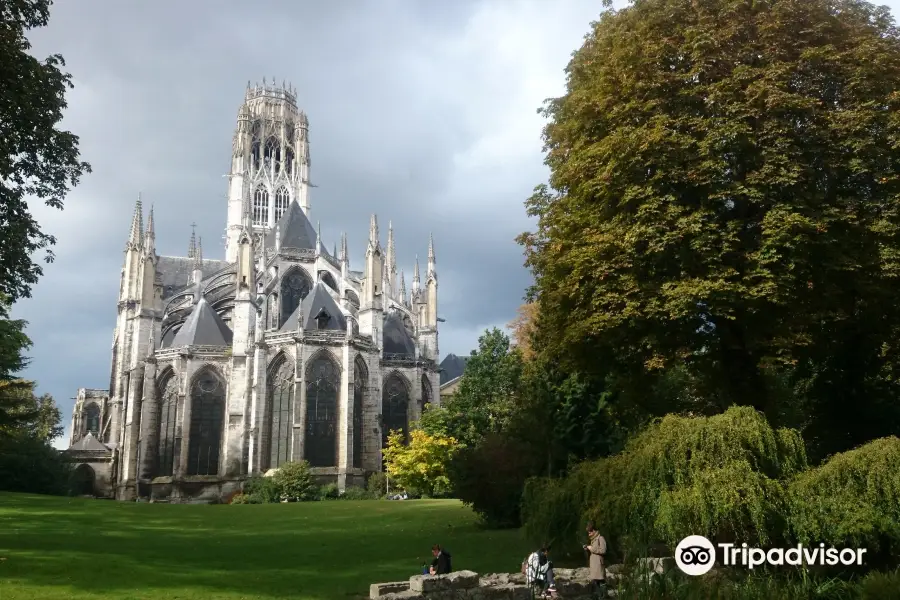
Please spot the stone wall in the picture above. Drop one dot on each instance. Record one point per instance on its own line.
(571, 584)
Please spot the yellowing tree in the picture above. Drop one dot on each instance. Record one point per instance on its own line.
(422, 465)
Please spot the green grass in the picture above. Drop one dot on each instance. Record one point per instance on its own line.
(79, 549)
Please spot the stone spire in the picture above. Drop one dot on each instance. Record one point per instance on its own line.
(373, 230)
(137, 227)
(390, 263)
(198, 255)
(192, 246)
(150, 235)
(403, 289)
(416, 280)
(431, 260)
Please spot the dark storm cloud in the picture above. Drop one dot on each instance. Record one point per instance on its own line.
(421, 112)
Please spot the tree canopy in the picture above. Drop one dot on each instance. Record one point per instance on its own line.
(37, 158)
(723, 200)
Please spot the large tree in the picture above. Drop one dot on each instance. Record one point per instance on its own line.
(37, 158)
(724, 200)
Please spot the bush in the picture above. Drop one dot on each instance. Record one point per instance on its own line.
(32, 466)
(377, 485)
(490, 478)
(262, 490)
(240, 499)
(295, 482)
(328, 492)
(852, 500)
(420, 466)
(723, 477)
(357, 493)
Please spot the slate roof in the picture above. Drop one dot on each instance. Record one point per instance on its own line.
(176, 272)
(89, 443)
(294, 229)
(203, 327)
(397, 339)
(316, 301)
(452, 367)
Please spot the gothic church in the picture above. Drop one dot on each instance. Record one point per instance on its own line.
(223, 369)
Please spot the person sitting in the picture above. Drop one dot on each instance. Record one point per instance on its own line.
(539, 571)
(441, 563)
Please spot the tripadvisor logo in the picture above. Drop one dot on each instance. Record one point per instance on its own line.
(696, 555)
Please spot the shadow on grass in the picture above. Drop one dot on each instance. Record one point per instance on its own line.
(74, 548)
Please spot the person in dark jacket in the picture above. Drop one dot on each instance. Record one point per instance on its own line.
(441, 563)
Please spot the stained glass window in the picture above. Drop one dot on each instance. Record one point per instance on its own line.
(360, 383)
(207, 422)
(394, 405)
(281, 407)
(322, 385)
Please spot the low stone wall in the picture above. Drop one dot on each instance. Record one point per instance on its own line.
(571, 584)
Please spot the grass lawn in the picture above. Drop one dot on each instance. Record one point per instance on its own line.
(79, 549)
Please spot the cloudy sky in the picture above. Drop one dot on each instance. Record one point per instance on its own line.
(421, 112)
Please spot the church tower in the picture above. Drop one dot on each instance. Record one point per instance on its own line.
(269, 163)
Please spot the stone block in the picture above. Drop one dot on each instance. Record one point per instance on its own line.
(494, 579)
(505, 591)
(458, 580)
(379, 590)
(407, 595)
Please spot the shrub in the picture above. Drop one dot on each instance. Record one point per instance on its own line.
(722, 477)
(240, 499)
(377, 484)
(853, 499)
(357, 493)
(262, 490)
(328, 492)
(490, 478)
(32, 466)
(420, 466)
(295, 482)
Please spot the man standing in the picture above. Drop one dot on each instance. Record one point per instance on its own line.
(441, 563)
(597, 550)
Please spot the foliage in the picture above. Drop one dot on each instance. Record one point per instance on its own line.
(295, 482)
(756, 585)
(723, 196)
(485, 400)
(522, 329)
(13, 342)
(852, 500)
(33, 466)
(490, 476)
(377, 484)
(421, 466)
(722, 477)
(329, 491)
(39, 160)
(261, 490)
(357, 493)
(242, 499)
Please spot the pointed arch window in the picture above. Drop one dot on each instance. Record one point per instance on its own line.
(394, 407)
(360, 383)
(273, 153)
(207, 422)
(295, 286)
(282, 200)
(289, 160)
(322, 384)
(261, 207)
(255, 154)
(427, 393)
(281, 411)
(169, 441)
(92, 419)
